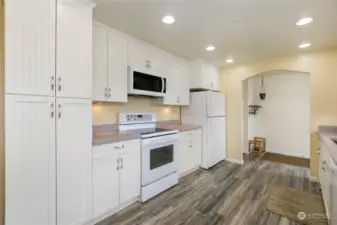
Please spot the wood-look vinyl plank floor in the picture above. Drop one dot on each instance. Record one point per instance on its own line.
(227, 194)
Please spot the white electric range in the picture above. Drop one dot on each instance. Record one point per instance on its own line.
(158, 158)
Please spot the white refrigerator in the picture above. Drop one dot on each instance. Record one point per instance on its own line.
(208, 110)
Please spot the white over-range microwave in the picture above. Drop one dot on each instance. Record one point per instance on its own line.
(143, 83)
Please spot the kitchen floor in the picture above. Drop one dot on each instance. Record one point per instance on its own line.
(228, 194)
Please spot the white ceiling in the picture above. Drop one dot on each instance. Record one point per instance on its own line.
(246, 30)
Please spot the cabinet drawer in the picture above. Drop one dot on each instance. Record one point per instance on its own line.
(107, 150)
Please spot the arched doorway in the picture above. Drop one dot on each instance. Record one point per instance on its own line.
(284, 119)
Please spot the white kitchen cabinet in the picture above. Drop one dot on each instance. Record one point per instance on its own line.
(189, 151)
(110, 66)
(143, 58)
(333, 203)
(30, 47)
(116, 175)
(178, 89)
(106, 179)
(30, 160)
(204, 76)
(130, 171)
(74, 161)
(74, 49)
(100, 63)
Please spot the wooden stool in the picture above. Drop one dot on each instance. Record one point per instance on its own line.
(257, 146)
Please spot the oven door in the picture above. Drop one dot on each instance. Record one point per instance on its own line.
(158, 158)
(141, 83)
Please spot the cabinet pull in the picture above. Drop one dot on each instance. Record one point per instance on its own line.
(122, 167)
(190, 146)
(119, 147)
(52, 86)
(59, 84)
(117, 167)
(109, 93)
(59, 111)
(106, 92)
(323, 162)
(323, 169)
(52, 110)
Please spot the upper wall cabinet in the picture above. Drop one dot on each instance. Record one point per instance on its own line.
(30, 47)
(74, 48)
(110, 65)
(204, 76)
(178, 86)
(146, 59)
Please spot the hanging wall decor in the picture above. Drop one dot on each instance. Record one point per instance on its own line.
(263, 91)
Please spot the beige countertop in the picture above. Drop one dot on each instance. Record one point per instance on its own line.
(110, 134)
(326, 133)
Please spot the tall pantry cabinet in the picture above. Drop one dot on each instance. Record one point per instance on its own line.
(48, 121)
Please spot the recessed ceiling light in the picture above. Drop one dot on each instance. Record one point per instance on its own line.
(304, 45)
(210, 48)
(230, 60)
(168, 19)
(304, 21)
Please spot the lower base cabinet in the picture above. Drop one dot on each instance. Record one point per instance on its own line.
(116, 170)
(189, 151)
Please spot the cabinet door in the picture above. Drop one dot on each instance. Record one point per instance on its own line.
(130, 171)
(100, 64)
(117, 68)
(333, 209)
(74, 49)
(197, 147)
(30, 160)
(74, 161)
(210, 77)
(137, 56)
(30, 47)
(184, 85)
(106, 180)
(182, 153)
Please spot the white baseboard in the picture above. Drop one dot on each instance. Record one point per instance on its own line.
(234, 161)
(314, 179)
(188, 172)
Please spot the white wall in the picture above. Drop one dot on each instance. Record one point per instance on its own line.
(284, 119)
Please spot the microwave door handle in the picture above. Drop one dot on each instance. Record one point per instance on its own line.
(163, 83)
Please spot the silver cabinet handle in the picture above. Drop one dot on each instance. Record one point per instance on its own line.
(119, 147)
(109, 93)
(59, 84)
(323, 169)
(324, 162)
(52, 110)
(59, 111)
(52, 86)
(106, 92)
(122, 163)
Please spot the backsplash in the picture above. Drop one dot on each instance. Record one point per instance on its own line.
(106, 113)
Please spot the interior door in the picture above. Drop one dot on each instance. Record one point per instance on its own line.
(130, 172)
(100, 64)
(106, 180)
(117, 68)
(74, 49)
(30, 47)
(215, 104)
(216, 139)
(30, 160)
(74, 161)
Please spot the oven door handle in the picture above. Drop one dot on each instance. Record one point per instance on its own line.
(161, 144)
